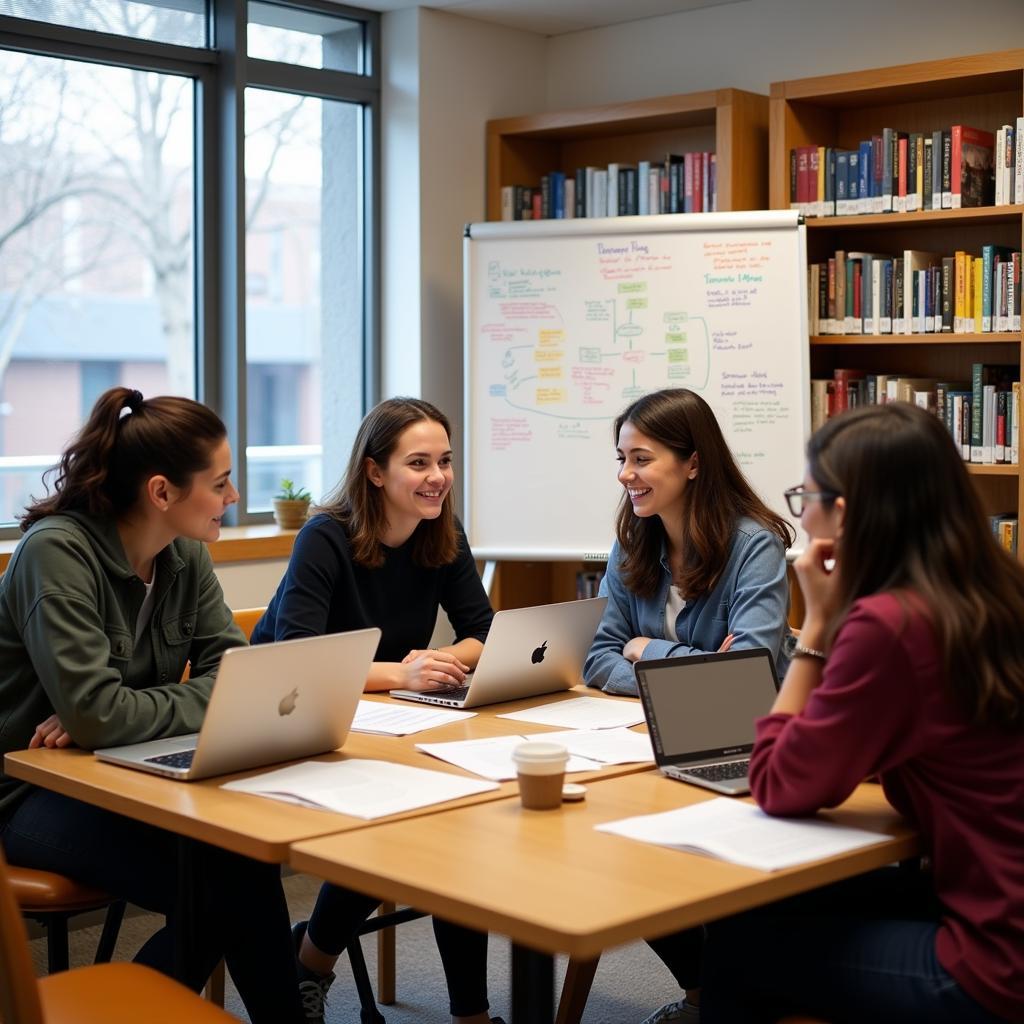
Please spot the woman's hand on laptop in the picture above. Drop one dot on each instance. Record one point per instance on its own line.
(50, 734)
(430, 669)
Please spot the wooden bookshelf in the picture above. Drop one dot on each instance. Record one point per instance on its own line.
(985, 91)
(729, 122)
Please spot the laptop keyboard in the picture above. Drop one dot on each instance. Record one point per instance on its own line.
(455, 693)
(717, 772)
(181, 759)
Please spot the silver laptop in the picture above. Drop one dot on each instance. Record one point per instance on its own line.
(271, 702)
(700, 713)
(528, 651)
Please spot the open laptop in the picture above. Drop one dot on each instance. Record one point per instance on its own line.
(271, 702)
(700, 712)
(529, 651)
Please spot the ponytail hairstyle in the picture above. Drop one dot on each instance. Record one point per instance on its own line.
(713, 501)
(914, 526)
(126, 440)
(359, 506)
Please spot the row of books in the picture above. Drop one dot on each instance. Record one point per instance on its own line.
(903, 172)
(982, 414)
(1004, 529)
(685, 183)
(588, 583)
(917, 292)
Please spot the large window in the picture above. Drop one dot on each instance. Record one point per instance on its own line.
(138, 246)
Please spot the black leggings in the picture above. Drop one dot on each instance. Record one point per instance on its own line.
(339, 913)
(242, 913)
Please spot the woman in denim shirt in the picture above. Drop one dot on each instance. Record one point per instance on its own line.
(699, 563)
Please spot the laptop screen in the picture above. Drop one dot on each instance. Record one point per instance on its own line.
(705, 705)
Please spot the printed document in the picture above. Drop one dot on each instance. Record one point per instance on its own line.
(360, 787)
(388, 720)
(744, 834)
(492, 757)
(583, 713)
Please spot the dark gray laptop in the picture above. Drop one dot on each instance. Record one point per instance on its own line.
(529, 651)
(270, 703)
(701, 710)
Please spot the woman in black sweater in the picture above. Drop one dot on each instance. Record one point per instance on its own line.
(386, 550)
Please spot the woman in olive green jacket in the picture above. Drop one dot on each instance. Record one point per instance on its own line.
(109, 595)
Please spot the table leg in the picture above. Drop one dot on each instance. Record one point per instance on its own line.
(186, 927)
(533, 986)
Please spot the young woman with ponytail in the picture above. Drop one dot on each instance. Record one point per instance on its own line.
(108, 596)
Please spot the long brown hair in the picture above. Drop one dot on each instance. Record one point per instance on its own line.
(360, 506)
(126, 440)
(914, 525)
(712, 502)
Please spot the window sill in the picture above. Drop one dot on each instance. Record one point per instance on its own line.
(236, 544)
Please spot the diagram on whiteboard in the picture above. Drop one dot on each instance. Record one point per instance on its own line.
(564, 332)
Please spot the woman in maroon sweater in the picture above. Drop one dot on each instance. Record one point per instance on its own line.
(911, 668)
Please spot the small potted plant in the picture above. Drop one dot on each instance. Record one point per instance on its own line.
(291, 506)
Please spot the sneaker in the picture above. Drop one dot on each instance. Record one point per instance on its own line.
(312, 986)
(681, 1011)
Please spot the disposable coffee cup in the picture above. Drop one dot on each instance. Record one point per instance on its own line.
(540, 766)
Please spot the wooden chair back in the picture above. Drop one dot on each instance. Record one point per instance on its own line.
(19, 994)
(246, 619)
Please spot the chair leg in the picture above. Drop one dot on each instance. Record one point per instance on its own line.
(386, 959)
(57, 956)
(214, 990)
(108, 937)
(368, 1012)
(579, 976)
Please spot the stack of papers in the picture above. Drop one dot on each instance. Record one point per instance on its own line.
(743, 834)
(583, 713)
(360, 787)
(388, 720)
(588, 750)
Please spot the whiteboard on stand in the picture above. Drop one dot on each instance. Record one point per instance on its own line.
(568, 321)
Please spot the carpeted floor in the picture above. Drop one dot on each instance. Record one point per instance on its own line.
(630, 981)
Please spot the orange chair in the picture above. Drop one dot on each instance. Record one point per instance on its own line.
(50, 899)
(102, 994)
(246, 619)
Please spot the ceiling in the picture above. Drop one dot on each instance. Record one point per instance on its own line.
(551, 17)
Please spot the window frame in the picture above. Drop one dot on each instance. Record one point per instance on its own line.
(222, 71)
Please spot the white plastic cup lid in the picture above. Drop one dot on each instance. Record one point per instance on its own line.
(540, 752)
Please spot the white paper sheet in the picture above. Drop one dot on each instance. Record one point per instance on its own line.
(609, 746)
(388, 720)
(492, 757)
(744, 834)
(360, 787)
(583, 713)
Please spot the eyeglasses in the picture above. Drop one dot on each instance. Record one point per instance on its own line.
(797, 496)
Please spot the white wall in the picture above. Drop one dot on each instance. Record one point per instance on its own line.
(250, 584)
(456, 74)
(751, 44)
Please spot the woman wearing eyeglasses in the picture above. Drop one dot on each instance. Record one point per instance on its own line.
(910, 667)
(699, 562)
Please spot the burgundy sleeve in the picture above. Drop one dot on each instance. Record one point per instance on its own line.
(860, 720)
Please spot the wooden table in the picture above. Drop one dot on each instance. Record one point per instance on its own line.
(553, 884)
(255, 826)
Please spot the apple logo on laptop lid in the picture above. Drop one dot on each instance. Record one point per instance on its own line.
(538, 655)
(287, 705)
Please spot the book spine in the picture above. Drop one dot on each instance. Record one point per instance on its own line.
(900, 198)
(977, 411)
(913, 163)
(899, 291)
(865, 166)
(955, 164)
(888, 155)
(1013, 293)
(947, 169)
(987, 252)
(1014, 427)
(1018, 162)
(937, 170)
(998, 167)
(643, 171)
(926, 194)
(948, 274)
(885, 320)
